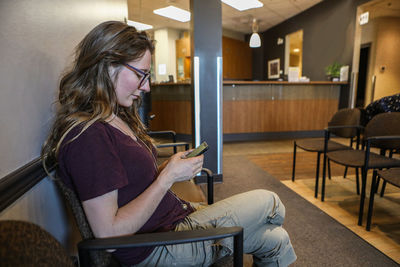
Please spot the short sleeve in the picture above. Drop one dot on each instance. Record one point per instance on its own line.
(93, 164)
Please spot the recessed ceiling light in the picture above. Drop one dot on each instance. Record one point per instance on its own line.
(243, 4)
(139, 26)
(173, 13)
(296, 50)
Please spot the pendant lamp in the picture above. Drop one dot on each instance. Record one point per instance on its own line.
(255, 40)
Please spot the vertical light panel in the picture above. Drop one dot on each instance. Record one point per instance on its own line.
(219, 114)
(196, 67)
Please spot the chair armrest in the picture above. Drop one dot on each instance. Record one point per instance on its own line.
(210, 185)
(186, 145)
(208, 172)
(172, 134)
(162, 239)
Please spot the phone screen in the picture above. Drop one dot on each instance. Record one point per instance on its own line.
(198, 150)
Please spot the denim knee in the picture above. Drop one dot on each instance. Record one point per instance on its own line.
(268, 198)
(280, 251)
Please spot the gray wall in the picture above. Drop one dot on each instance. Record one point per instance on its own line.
(37, 39)
(329, 29)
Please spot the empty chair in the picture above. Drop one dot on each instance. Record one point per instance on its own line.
(381, 133)
(391, 176)
(344, 117)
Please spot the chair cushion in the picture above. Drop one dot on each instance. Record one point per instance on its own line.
(355, 158)
(27, 244)
(391, 176)
(317, 145)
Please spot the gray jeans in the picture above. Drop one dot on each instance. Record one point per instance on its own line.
(259, 212)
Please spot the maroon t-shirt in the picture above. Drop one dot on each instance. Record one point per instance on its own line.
(103, 159)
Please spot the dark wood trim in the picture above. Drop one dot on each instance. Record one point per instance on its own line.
(285, 82)
(258, 82)
(239, 137)
(268, 136)
(17, 183)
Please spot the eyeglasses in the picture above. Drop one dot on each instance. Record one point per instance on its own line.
(141, 74)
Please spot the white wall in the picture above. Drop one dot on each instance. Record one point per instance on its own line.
(165, 52)
(387, 57)
(383, 34)
(37, 39)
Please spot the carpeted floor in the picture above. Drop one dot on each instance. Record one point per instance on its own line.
(317, 238)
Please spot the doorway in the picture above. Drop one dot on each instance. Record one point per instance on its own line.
(362, 75)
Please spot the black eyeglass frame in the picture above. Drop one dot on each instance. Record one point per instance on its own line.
(144, 75)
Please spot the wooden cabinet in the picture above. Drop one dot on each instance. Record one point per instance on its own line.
(183, 58)
(237, 59)
(236, 56)
(183, 47)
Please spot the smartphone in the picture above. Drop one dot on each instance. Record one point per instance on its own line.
(203, 147)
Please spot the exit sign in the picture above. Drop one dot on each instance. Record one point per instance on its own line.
(364, 18)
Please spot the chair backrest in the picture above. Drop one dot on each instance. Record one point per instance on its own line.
(384, 124)
(144, 108)
(383, 105)
(345, 117)
(27, 244)
(99, 258)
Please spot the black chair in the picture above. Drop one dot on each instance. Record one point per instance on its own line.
(391, 176)
(391, 153)
(382, 133)
(92, 250)
(342, 117)
(27, 244)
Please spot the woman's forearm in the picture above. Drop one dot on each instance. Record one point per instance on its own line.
(106, 219)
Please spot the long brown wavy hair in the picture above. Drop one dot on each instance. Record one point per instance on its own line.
(86, 90)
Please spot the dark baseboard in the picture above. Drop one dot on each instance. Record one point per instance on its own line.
(240, 137)
(271, 136)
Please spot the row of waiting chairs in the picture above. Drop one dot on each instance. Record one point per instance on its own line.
(381, 132)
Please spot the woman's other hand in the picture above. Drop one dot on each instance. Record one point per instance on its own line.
(179, 168)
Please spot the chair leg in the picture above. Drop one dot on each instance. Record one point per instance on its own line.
(323, 178)
(317, 175)
(378, 181)
(174, 140)
(364, 172)
(345, 172)
(329, 170)
(294, 161)
(357, 182)
(383, 188)
(371, 200)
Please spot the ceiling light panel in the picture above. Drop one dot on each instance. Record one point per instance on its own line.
(139, 26)
(173, 13)
(242, 5)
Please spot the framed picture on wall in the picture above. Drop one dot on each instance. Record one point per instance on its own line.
(273, 68)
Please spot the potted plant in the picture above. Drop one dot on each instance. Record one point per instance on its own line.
(333, 71)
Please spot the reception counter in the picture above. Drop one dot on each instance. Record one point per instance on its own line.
(252, 107)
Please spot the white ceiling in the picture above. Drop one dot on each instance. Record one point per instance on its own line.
(382, 8)
(272, 13)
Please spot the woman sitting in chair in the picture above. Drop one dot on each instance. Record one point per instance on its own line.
(105, 155)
